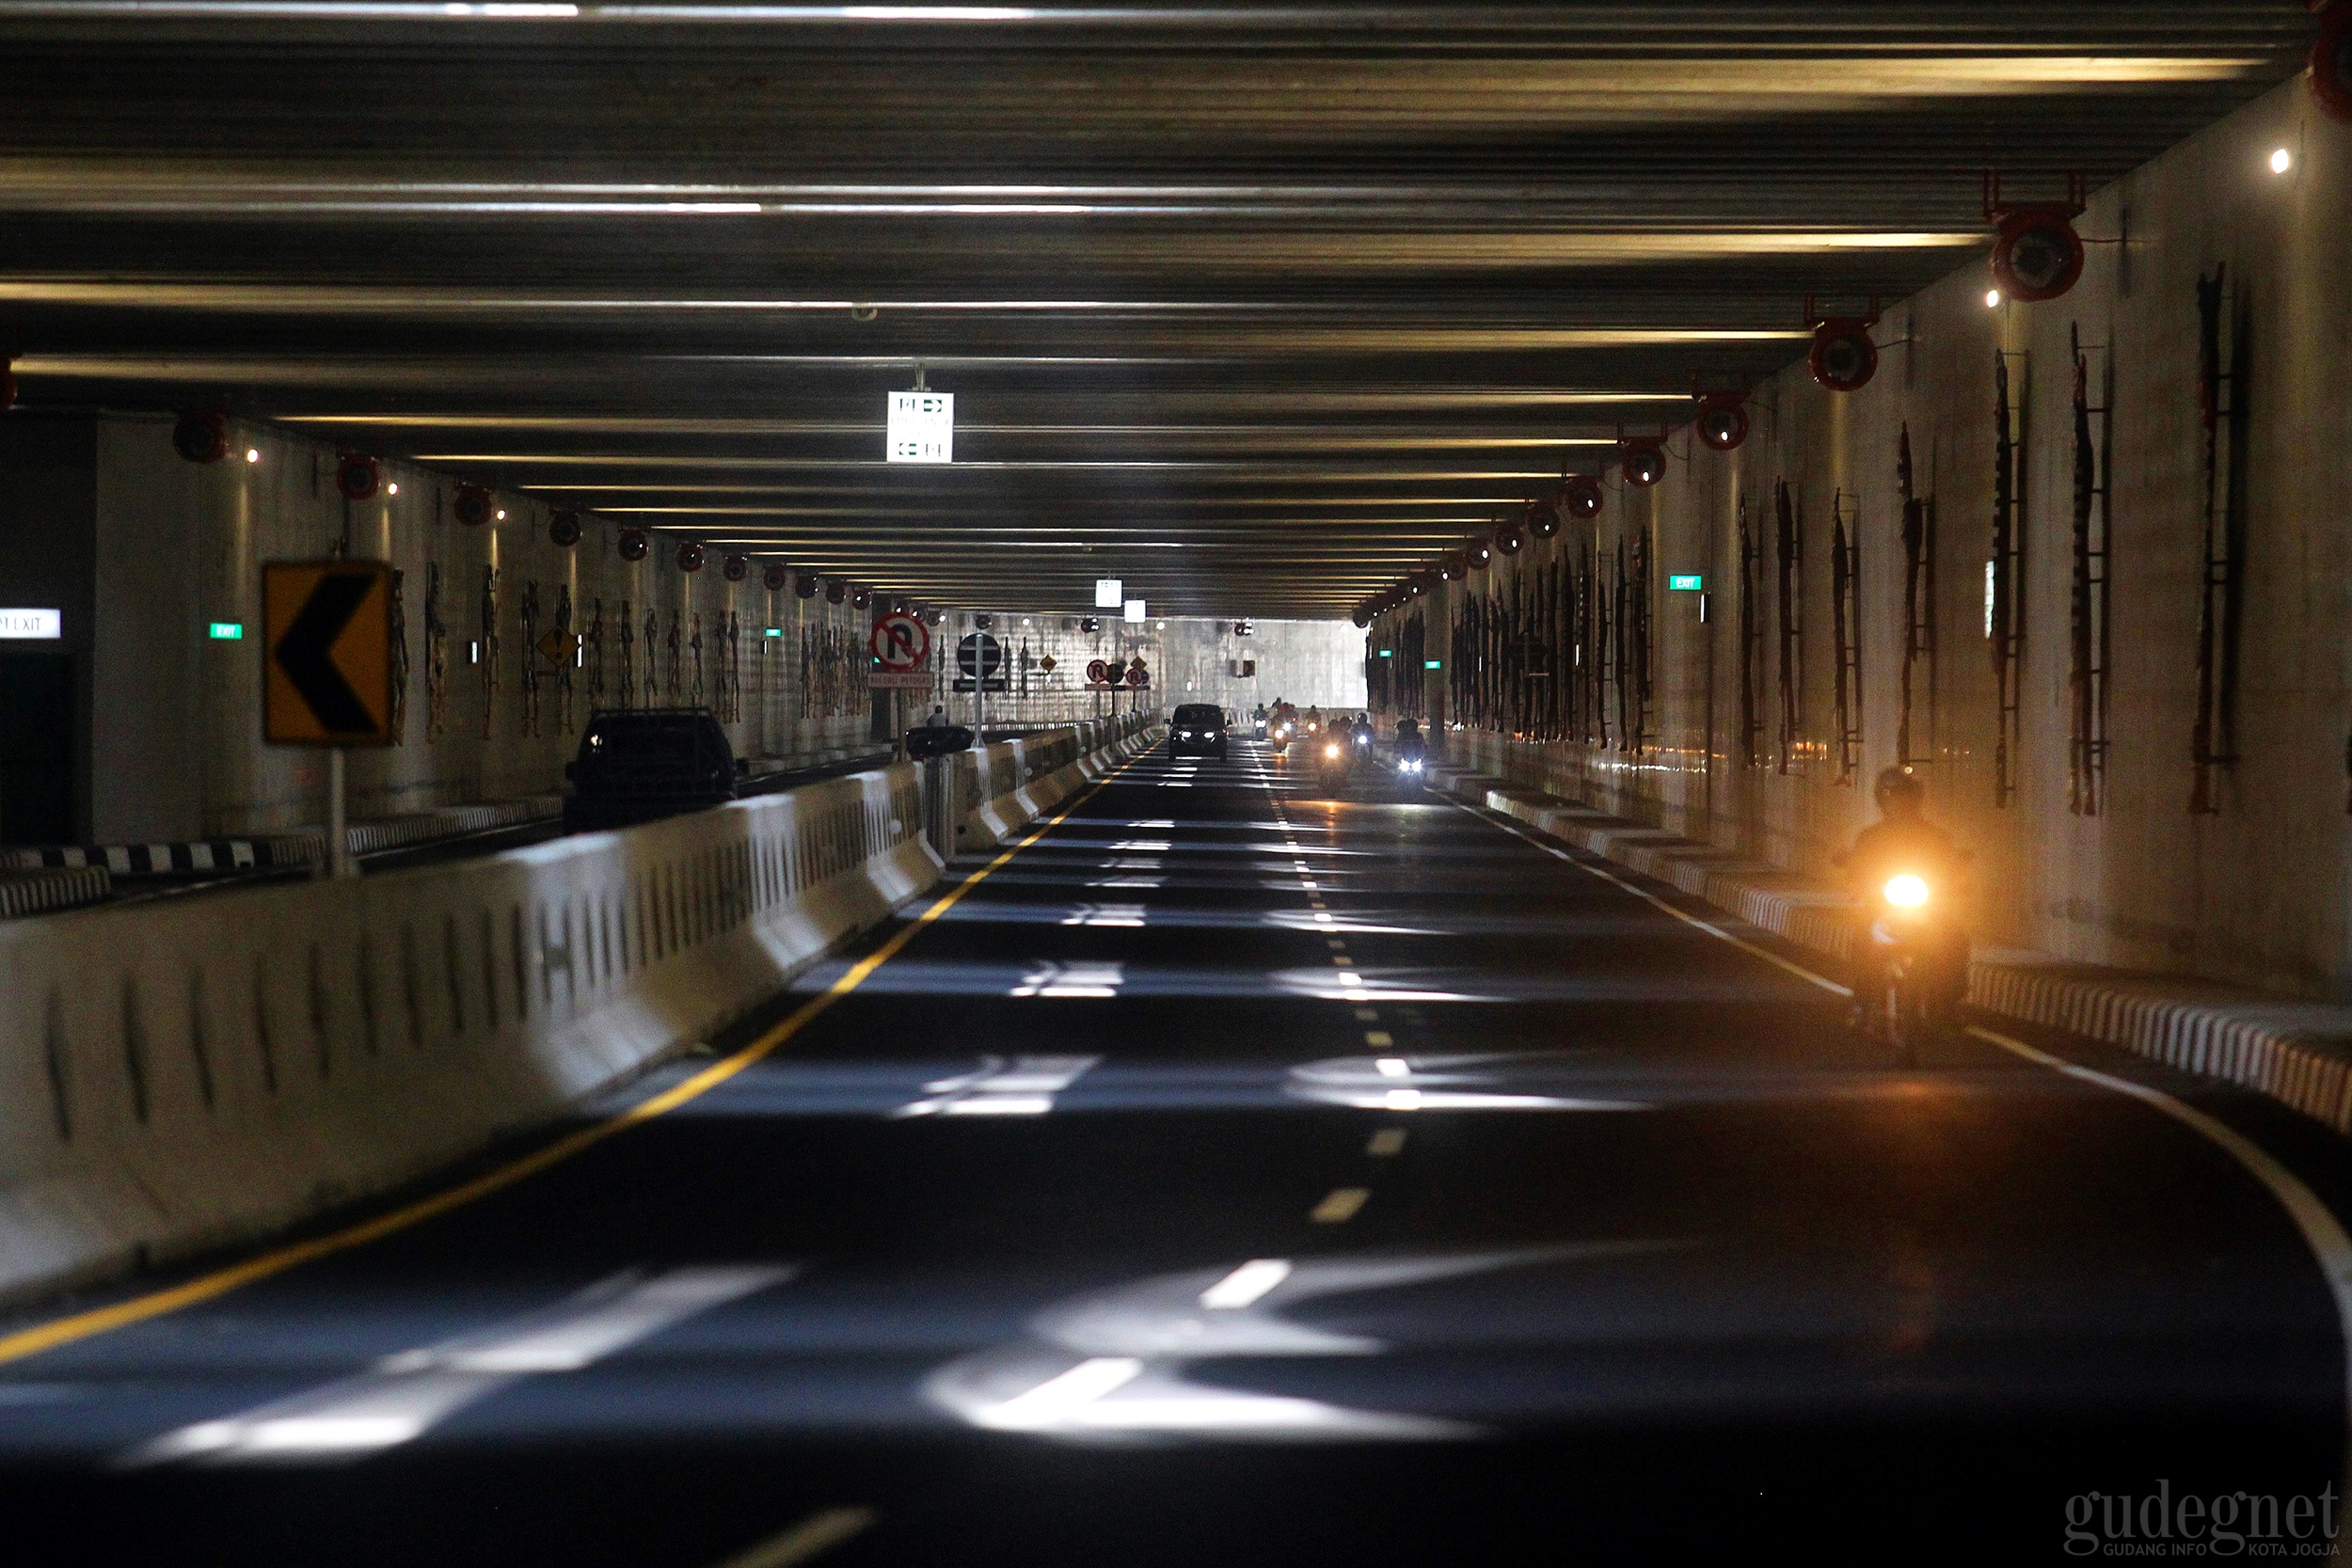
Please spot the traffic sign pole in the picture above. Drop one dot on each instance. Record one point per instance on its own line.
(338, 832)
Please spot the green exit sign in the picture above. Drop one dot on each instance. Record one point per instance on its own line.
(1686, 583)
(1433, 664)
(775, 631)
(1387, 653)
(228, 632)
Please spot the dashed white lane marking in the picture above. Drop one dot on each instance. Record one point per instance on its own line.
(1245, 1285)
(1027, 1089)
(819, 1533)
(1340, 1205)
(2321, 1231)
(1085, 980)
(1388, 1141)
(404, 1395)
(1365, 1015)
(1379, 1038)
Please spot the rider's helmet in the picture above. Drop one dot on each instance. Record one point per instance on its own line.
(1899, 789)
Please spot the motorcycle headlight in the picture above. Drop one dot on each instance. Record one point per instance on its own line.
(1906, 892)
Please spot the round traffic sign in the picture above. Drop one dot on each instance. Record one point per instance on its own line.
(899, 642)
(1098, 672)
(980, 655)
(1138, 675)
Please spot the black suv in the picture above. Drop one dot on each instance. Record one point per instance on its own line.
(1197, 727)
(639, 763)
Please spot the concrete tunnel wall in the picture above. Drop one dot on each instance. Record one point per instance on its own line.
(2254, 893)
(144, 551)
(174, 717)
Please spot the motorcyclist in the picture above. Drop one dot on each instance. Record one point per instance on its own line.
(1363, 732)
(1412, 752)
(1902, 841)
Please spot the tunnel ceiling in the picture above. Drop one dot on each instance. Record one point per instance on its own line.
(1254, 307)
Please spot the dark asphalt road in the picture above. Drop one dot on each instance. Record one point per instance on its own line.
(1240, 1176)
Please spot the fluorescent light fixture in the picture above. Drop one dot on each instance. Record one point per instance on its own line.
(1109, 594)
(31, 625)
(1134, 615)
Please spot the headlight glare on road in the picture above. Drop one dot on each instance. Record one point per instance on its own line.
(1906, 892)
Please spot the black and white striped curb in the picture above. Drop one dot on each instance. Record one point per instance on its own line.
(40, 891)
(281, 852)
(2296, 1053)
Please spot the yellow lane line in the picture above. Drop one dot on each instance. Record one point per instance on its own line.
(156, 1304)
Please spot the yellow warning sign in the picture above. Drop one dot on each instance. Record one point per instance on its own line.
(327, 653)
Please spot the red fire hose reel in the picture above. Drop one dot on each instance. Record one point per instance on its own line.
(356, 476)
(1721, 420)
(1843, 358)
(1642, 459)
(1582, 495)
(201, 435)
(2037, 254)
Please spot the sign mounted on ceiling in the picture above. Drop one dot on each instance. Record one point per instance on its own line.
(1108, 593)
(1134, 615)
(39, 625)
(922, 427)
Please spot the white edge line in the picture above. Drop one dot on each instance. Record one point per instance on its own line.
(2323, 1233)
(1713, 931)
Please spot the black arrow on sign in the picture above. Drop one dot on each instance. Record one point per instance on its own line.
(304, 653)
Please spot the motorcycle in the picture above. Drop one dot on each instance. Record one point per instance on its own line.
(1257, 727)
(1921, 959)
(1281, 735)
(1332, 763)
(1412, 762)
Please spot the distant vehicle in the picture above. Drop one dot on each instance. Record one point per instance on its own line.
(1412, 753)
(637, 765)
(1197, 727)
(937, 740)
(1334, 758)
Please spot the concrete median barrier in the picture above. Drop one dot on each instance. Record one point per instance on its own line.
(1014, 783)
(184, 1074)
(178, 1075)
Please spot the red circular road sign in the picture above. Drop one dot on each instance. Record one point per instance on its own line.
(1138, 675)
(899, 642)
(1098, 672)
